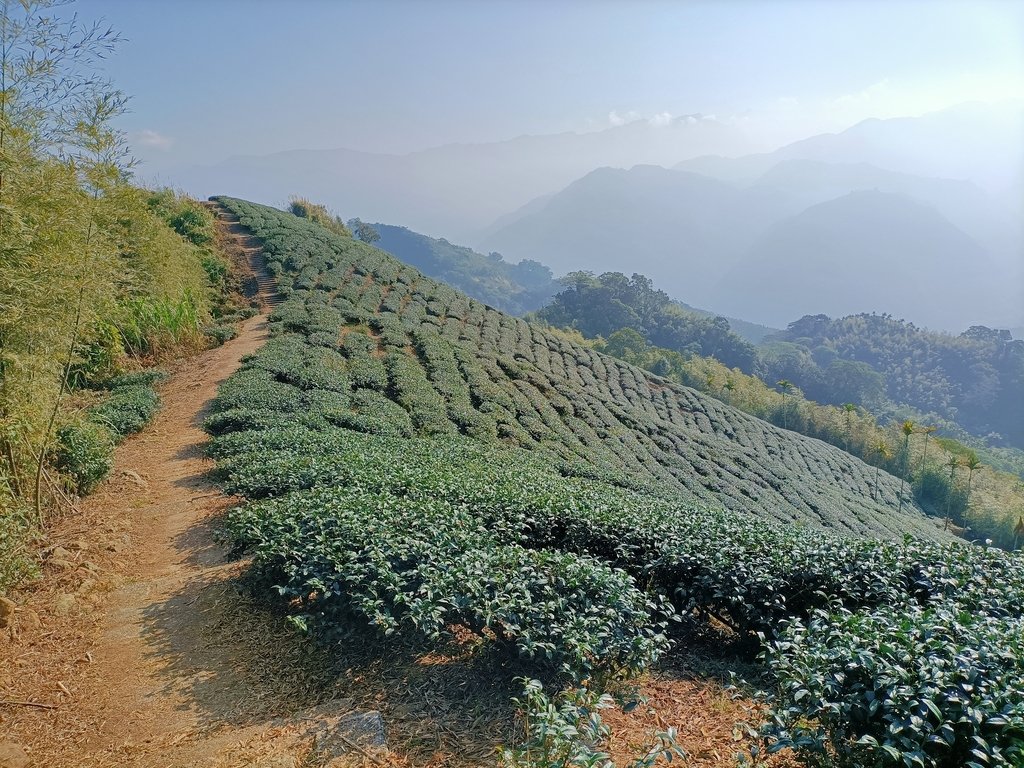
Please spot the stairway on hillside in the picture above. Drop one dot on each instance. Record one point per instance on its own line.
(260, 284)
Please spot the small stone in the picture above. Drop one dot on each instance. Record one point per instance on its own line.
(119, 545)
(87, 586)
(278, 761)
(366, 729)
(59, 553)
(90, 566)
(80, 545)
(60, 563)
(134, 477)
(13, 756)
(64, 604)
(6, 612)
(29, 620)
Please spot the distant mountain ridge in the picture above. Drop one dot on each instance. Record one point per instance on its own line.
(459, 189)
(705, 231)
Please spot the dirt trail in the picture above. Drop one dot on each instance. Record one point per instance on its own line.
(134, 645)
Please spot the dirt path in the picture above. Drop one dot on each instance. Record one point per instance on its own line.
(136, 646)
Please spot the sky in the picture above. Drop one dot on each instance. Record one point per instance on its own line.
(214, 78)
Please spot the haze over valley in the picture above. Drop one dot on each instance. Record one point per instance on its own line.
(931, 199)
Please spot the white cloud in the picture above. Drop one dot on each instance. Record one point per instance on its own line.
(154, 140)
(627, 117)
(661, 119)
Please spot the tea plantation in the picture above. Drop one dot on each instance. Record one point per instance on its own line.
(415, 460)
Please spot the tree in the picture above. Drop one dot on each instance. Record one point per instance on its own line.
(785, 386)
(849, 409)
(973, 465)
(61, 161)
(627, 344)
(953, 462)
(907, 428)
(364, 231)
(882, 451)
(854, 381)
(927, 431)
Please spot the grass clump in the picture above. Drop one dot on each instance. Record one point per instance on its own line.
(84, 454)
(127, 410)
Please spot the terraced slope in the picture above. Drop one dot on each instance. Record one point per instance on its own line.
(400, 354)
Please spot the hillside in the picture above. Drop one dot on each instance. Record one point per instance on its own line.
(611, 302)
(713, 243)
(513, 288)
(418, 467)
(413, 356)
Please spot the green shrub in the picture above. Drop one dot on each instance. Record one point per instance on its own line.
(127, 410)
(567, 731)
(931, 687)
(16, 564)
(146, 378)
(220, 332)
(84, 453)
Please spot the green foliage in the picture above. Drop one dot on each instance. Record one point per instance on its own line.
(148, 377)
(609, 303)
(184, 215)
(148, 324)
(514, 288)
(220, 332)
(318, 214)
(16, 564)
(127, 410)
(567, 731)
(933, 686)
(973, 379)
(93, 269)
(452, 365)
(85, 453)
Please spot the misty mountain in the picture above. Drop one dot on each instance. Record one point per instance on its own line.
(866, 251)
(459, 189)
(683, 230)
(691, 233)
(967, 161)
(975, 142)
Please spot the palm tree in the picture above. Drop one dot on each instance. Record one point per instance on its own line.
(952, 463)
(729, 387)
(927, 433)
(972, 465)
(785, 385)
(881, 450)
(907, 427)
(850, 409)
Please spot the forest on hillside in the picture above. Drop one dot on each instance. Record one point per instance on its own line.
(516, 288)
(599, 305)
(975, 379)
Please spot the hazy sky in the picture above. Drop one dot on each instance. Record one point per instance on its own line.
(220, 77)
